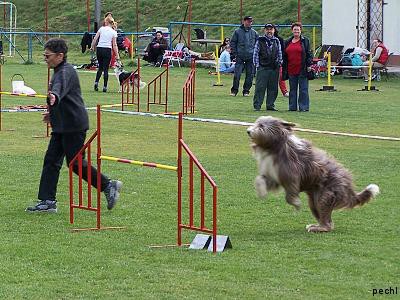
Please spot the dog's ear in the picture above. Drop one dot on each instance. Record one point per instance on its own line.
(288, 125)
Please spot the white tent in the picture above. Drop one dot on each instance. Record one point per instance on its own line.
(340, 19)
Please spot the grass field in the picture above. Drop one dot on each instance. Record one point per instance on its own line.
(273, 257)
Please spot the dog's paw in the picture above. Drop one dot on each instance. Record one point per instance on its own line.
(317, 228)
(261, 187)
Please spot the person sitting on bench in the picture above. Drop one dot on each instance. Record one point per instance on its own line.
(225, 63)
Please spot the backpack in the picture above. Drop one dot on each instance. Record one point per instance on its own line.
(356, 60)
(346, 60)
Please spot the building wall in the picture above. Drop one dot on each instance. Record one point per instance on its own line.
(391, 25)
(339, 21)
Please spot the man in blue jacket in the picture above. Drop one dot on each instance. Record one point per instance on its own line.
(267, 59)
(242, 45)
(69, 122)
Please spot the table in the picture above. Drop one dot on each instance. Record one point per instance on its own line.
(207, 41)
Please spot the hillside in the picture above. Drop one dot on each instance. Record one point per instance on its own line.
(67, 15)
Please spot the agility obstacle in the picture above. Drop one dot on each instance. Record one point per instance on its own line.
(330, 88)
(188, 91)
(157, 91)
(193, 163)
(130, 93)
(155, 94)
(15, 94)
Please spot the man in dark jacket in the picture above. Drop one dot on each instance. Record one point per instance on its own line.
(242, 46)
(155, 50)
(267, 59)
(69, 121)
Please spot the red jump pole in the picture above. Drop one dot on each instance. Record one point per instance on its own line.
(98, 212)
(179, 173)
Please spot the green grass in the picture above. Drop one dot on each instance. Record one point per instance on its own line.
(159, 13)
(72, 18)
(272, 256)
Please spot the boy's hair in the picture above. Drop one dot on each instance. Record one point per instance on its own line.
(57, 45)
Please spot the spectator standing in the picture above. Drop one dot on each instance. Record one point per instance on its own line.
(225, 63)
(297, 60)
(69, 122)
(106, 41)
(267, 59)
(282, 83)
(242, 44)
(155, 50)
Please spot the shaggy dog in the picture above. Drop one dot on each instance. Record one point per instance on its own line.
(286, 161)
(123, 76)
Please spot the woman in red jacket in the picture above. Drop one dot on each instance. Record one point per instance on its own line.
(297, 60)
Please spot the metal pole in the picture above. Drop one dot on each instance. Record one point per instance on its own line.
(189, 20)
(137, 15)
(10, 46)
(179, 173)
(97, 12)
(88, 15)
(241, 11)
(298, 11)
(137, 30)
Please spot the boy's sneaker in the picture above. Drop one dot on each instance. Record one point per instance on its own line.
(96, 86)
(112, 193)
(44, 206)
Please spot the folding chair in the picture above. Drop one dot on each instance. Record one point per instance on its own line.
(174, 55)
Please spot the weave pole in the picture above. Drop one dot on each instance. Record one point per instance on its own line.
(23, 95)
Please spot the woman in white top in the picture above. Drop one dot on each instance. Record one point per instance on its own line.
(106, 37)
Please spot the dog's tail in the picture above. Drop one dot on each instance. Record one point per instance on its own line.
(370, 192)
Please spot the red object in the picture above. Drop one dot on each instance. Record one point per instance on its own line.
(188, 91)
(113, 60)
(193, 164)
(130, 94)
(155, 89)
(193, 161)
(384, 54)
(128, 45)
(282, 83)
(294, 52)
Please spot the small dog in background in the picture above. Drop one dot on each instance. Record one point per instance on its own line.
(286, 161)
(123, 75)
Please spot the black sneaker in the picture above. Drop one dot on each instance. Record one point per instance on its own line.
(105, 89)
(96, 87)
(112, 193)
(43, 206)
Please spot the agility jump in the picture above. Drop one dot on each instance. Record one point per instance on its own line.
(330, 88)
(182, 147)
(14, 94)
(157, 91)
